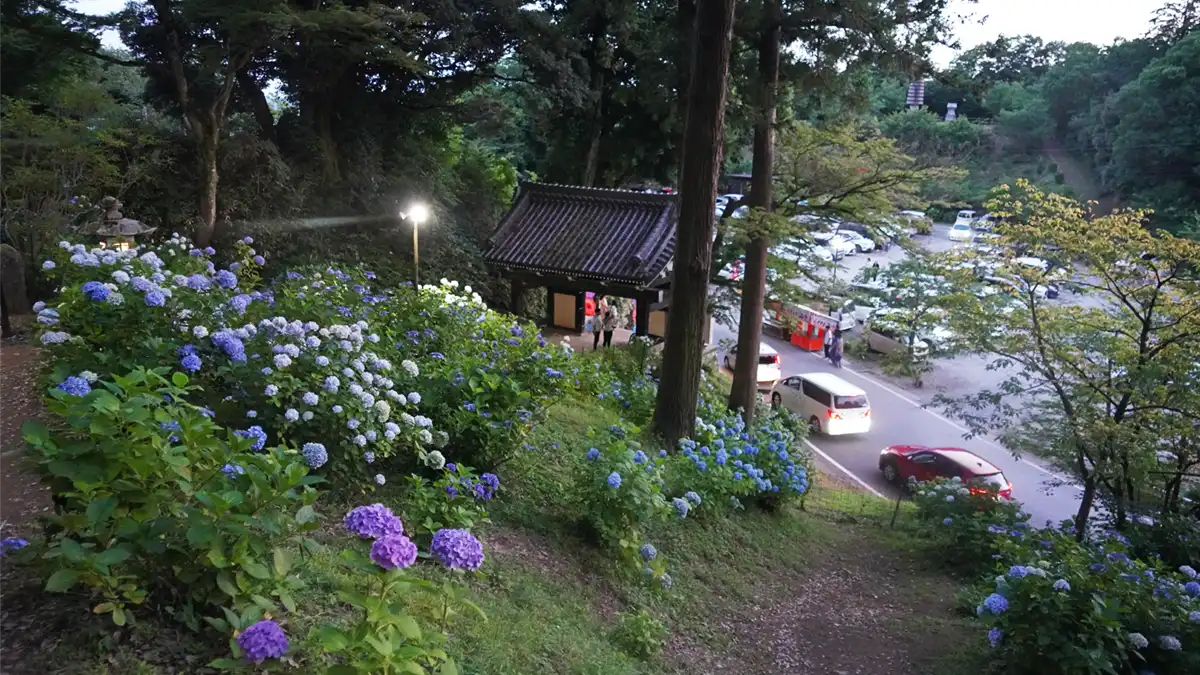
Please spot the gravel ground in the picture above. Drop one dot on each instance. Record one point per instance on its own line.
(22, 497)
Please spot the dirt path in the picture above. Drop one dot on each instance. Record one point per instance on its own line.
(22, 497)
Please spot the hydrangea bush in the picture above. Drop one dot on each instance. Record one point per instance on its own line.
(320, 356)
(1059, 606)
(456, 499)
(727, 462)
(620, 492)
(155, 498)
(964, 523)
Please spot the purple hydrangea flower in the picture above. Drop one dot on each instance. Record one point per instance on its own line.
(259, 260)
(239, 303)
(995, 603)
(226, 279)
(614, 480)
(648, 552)
(264, 640)
(232, 470)
(373, 522)
(994, 636)
(155, 299)
(394, 551)
(75, 386)
(457, 549)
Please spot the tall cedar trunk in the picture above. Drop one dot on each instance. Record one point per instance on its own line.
(744, 393)
(1085, 508)
(675, 408)
(591, 159)
(208, 139)
(329, 149)
(686, 24)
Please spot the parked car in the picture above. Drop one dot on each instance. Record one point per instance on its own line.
(1016, 287)
(860, 243)
(839, 246)
(885, 337)
(900, 463)
(961, 232)
(831, 405)
(768, 364)
(939, 338)
(965, 217)
(914, 222)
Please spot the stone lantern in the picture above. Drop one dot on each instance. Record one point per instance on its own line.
(115, 230)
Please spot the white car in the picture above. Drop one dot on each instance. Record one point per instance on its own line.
(965, 217)
(838, 245)
(961, 232)
(768, 364)
(1015, 286)
(860, 243)
(832, 405)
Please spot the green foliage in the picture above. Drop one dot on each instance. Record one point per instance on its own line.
(386, 636)
(640, 634)
(156, 499)
(451, 501)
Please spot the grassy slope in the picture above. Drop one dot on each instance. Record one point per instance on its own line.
(827, 589)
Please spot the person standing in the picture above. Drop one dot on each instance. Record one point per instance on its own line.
(598, 320)
(828, 340)
(610, 322)
(835, 350)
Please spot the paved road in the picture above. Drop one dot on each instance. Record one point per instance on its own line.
(900, 419)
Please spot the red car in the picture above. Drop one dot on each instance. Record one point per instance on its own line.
(899, 463)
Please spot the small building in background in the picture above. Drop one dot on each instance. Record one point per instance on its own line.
(951, 112)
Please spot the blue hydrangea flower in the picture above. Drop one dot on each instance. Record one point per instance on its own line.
(996, 604)
(1169, 643)
(1188, 571)
(994, 636)
(1138, 641)
(1018, 571)
(309, 398)
(315, 455)
(155, 299)
(232, 470)
(947, 521)
(665, 581)
(75, 386)
(255, 432)
(681, 507)
(648, 552)
(191, 363)
(692, 497)
(1062, 585)
(593, 454)
(1192, 588)
(95, 291)
(264, 640)
(639, 457)
(10, 544)
(380, 479)
(614, 480)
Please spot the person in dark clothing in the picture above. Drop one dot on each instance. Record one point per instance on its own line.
(835, 350)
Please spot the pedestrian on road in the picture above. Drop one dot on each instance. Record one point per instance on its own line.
(875, 271)
(835, 350)
(828, 340)
(598, 320)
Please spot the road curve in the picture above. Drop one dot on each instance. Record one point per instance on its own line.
(900, 419)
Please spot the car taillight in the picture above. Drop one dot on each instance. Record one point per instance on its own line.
(867, 413)
(833, 415)
(775, 359)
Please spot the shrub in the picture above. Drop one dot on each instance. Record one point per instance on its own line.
(457, 499)
(640, 634)
(964, 524)
(1172, 538)
(319, 356)
(620, 491)
(1067, 607)
(727, 462)
(156, 498)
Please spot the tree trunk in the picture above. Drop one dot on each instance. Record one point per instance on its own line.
(597, 66)
(675, 408)
(744, 393)
(6, 330)
(259, 105)
(1085, 508)
(208, 139)
(686, 18)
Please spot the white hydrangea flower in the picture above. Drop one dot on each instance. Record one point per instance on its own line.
(89, 376)
(200, 332)
(410, 367)
(408, 419)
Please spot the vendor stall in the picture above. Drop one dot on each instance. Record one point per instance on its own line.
(807, 326)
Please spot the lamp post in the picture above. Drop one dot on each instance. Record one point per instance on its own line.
(417, 213)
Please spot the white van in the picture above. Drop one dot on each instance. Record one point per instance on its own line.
(965, 217)
(831, 405)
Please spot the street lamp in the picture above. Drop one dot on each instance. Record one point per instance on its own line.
(417, 214)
